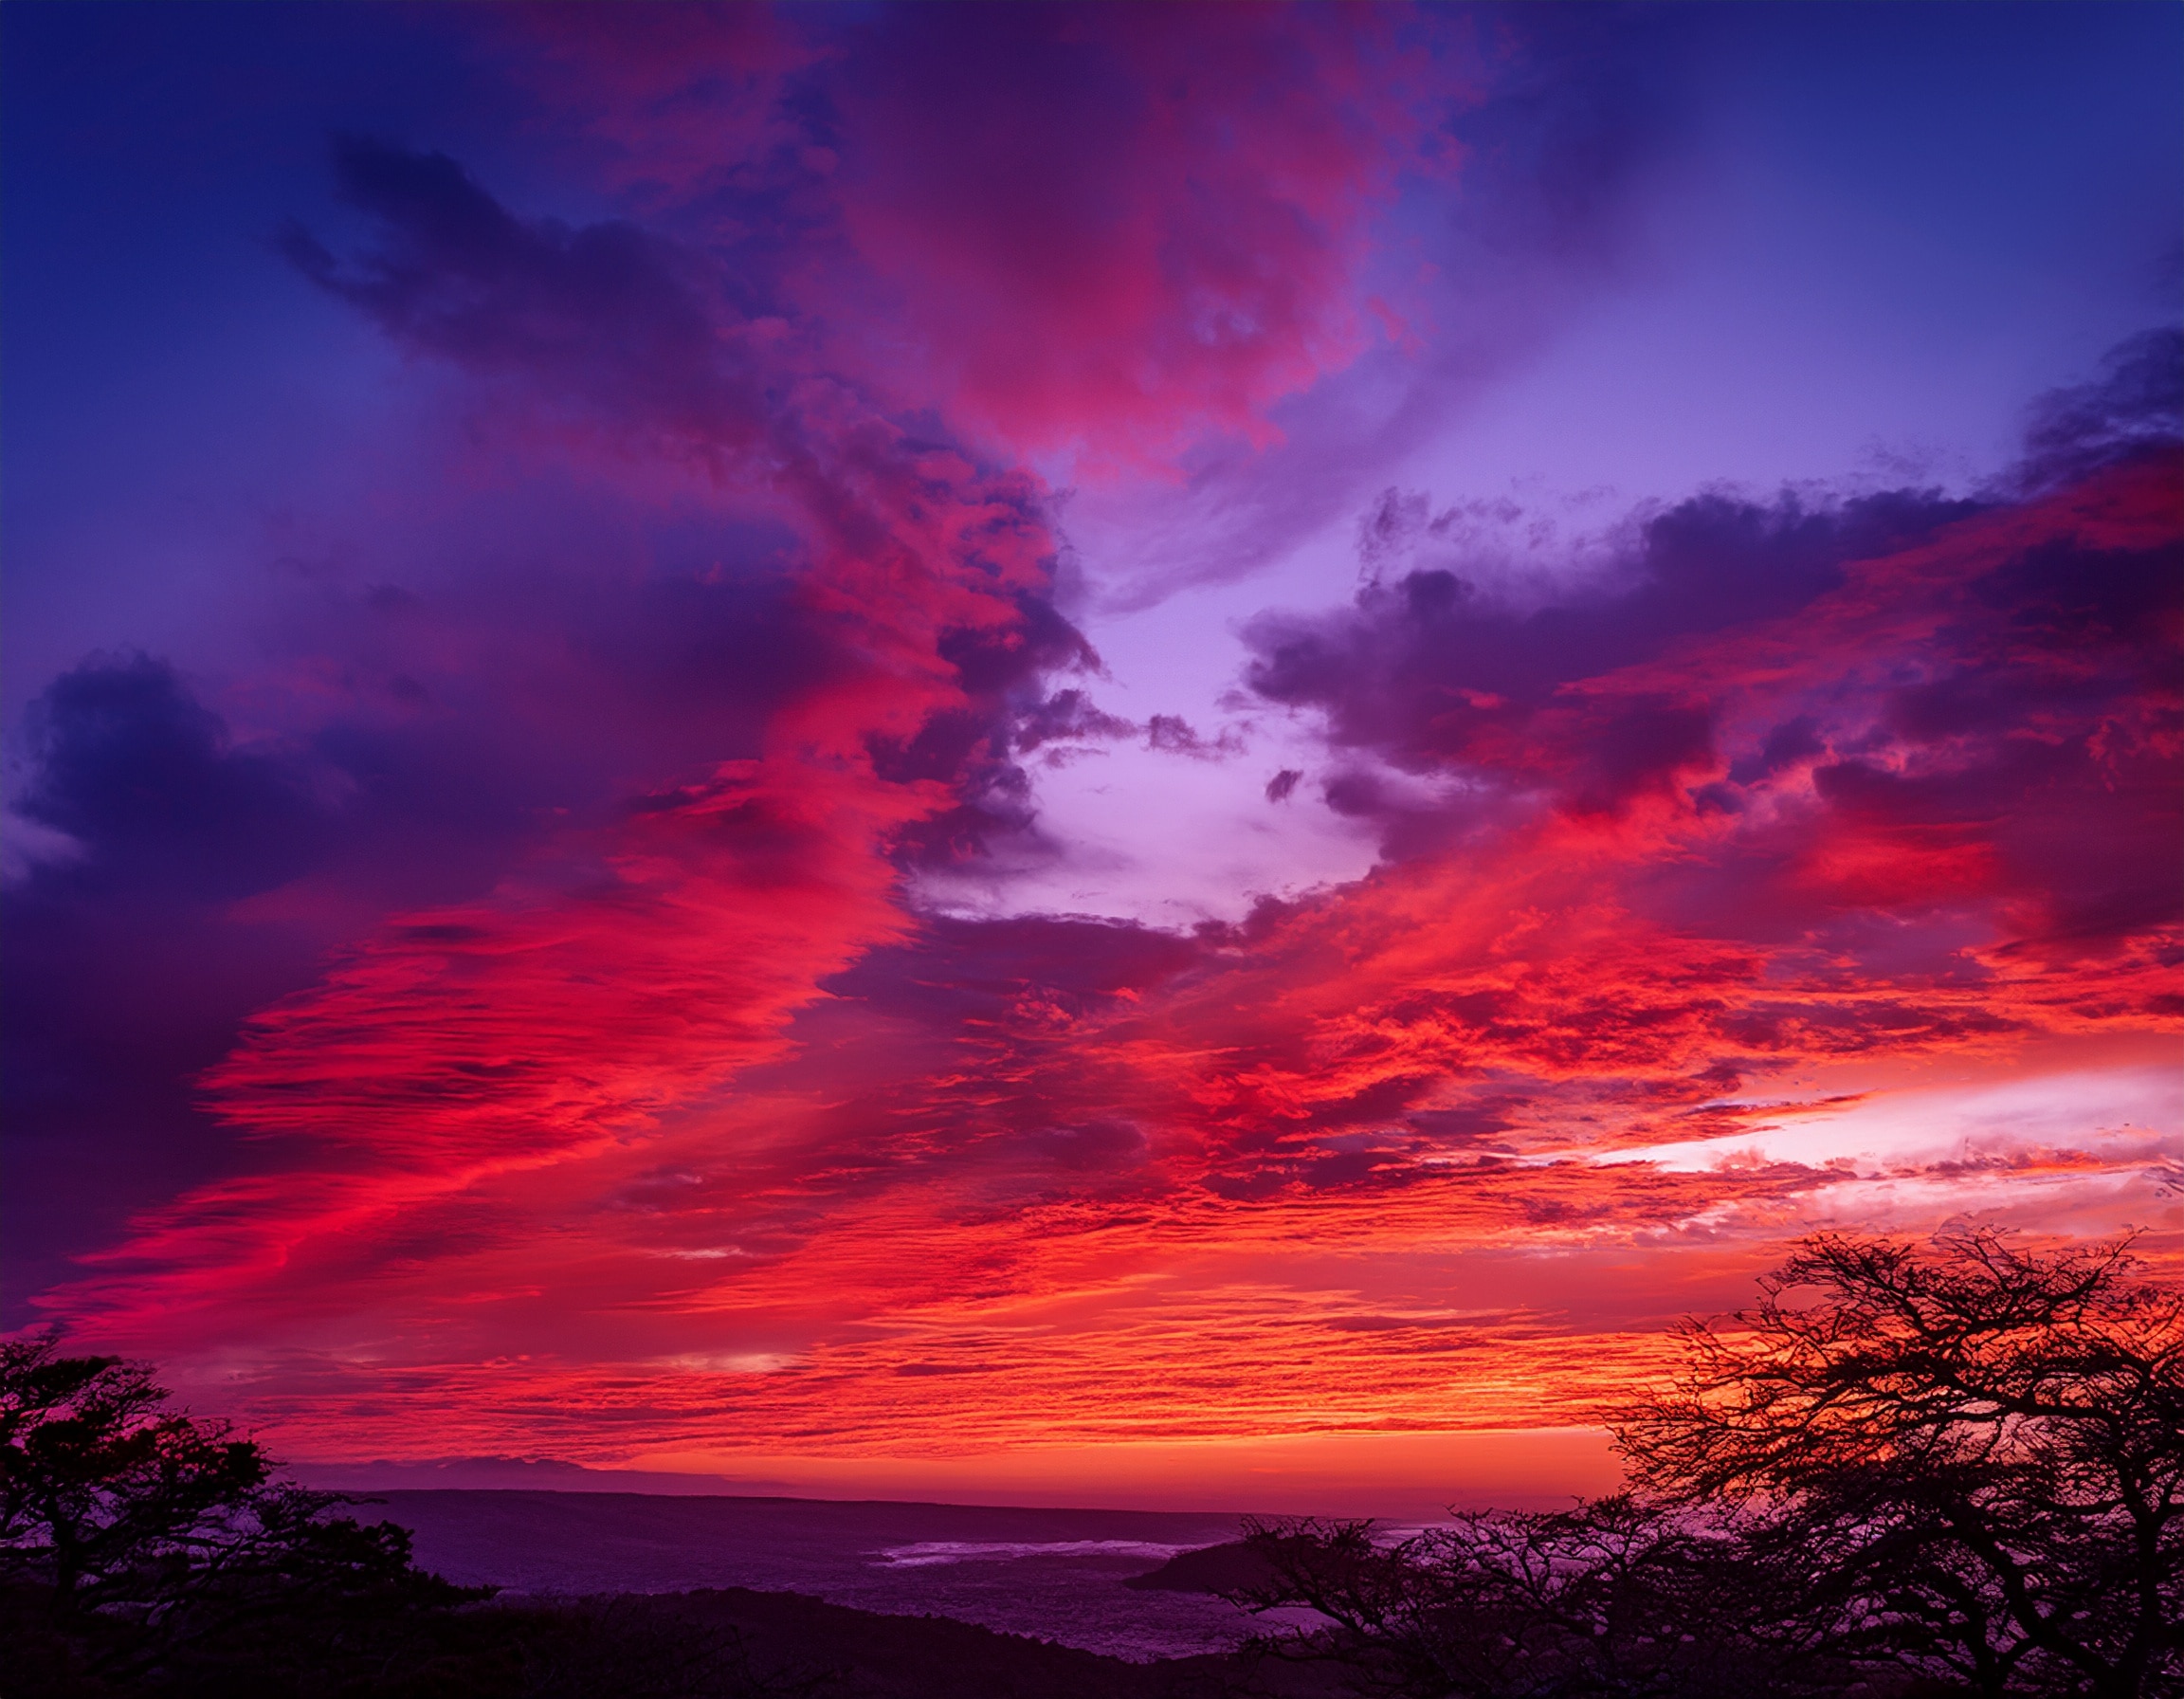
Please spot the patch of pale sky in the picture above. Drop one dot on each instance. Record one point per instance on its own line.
(2124, 1113)
(1168, 839)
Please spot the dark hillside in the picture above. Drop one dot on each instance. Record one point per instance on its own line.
(860, 1654)
(726, 1643)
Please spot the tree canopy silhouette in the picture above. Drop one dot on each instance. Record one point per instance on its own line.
(1978, 1449)
(145, 1529)
(1960, 1463)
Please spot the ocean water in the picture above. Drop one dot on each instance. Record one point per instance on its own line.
(1055, 1575)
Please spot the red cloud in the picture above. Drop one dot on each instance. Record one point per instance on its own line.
(722, 1150)
(1126, 227)
(1062, 227)
(691, 1135)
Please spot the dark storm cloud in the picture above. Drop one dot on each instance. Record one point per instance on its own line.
(130, 766)
(960, 974)
(459, 724)
(1896, 705)
(1433, 675)
(1000, 670)
(1068, 717)
(611, 309)
(2046, 704)
(1171, 734)
(645, 334)
(125, 977)
(2137, 403)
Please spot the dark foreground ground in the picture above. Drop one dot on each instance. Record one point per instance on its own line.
(722, 1643)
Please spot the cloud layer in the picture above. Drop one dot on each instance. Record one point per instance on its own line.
(511, 992)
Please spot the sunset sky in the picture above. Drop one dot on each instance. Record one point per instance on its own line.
(1151, 754)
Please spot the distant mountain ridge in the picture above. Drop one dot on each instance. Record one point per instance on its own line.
(545, 1474)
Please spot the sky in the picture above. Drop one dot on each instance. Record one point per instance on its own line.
(1173, 756)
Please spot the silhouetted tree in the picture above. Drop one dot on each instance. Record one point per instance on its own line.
(1962, 1462)
(1975, 1451)
(146, 1529)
